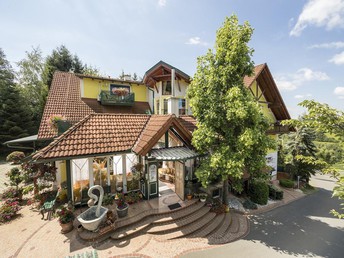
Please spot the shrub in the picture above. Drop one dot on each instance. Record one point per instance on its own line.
(286, 183)
(248, 204)
(15, 177)
(15, 157)
(11, 193)
(108, 199)
(259, 192)
(8, 210)
(275, 193)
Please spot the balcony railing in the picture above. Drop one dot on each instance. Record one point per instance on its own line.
(106, 98)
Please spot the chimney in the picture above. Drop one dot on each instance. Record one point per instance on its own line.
(173, 76)
(127, 77)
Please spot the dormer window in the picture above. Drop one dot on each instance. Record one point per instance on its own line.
(166, 88)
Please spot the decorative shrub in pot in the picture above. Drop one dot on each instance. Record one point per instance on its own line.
(122, 206)
(66, 218)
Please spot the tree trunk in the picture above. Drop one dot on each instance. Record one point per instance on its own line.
(225, 192)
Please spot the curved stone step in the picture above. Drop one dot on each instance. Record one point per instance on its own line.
(222, 230)
(191, 227)
(166, 218)
(131, 229)
(216, 222)
(133, 226)
(174, 225)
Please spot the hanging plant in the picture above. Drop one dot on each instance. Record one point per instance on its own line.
(53, 120)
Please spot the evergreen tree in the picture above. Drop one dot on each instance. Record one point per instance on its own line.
(230, 124)
(61, 60)
(15, 118)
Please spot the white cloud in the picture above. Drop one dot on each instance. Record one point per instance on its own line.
(338, 44)
(320, 13)
(302, 96)
(162, 3)
(338, 59)
(196, 41)
(293, 81)
(306, 74)
(285, 85)
(339, 91)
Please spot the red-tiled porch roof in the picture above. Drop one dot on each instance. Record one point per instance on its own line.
(95, 135)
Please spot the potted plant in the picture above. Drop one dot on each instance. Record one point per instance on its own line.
(203, 197)
(122, 206)
(66, 218)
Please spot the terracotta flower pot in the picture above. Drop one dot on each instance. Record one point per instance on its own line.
(67, 227)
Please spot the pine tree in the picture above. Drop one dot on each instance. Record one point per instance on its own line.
(15, 118)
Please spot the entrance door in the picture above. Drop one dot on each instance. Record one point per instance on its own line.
(179, 177)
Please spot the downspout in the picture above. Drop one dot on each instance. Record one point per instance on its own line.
(173, 76)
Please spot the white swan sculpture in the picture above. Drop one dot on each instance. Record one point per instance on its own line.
(92, 217)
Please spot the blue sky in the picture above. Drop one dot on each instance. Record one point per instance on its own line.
(301, 41)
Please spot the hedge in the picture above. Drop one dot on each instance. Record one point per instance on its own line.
(275, 193)
(259, 192)
(286, 183)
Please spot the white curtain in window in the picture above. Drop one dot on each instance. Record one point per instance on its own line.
(80, 169)
(131, 161)
(117, 165)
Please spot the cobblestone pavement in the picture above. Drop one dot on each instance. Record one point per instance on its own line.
(29, 236)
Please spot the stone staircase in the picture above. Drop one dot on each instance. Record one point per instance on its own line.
(193, 221)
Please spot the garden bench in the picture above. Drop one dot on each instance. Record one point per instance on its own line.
(49, 206)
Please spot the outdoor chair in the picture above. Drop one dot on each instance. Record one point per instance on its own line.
(49, 206)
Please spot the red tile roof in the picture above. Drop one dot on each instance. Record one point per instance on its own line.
(96, 134)
(63, 99)
(248, 80)
(102, 134)
(189, 122)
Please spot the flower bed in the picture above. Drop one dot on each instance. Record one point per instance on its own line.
(8, 210)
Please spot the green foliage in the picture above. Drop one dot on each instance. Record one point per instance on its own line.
(275, 193)
(230, 124)
(61, 60)
(248, 204)
(259, 192)
(286, 183)
(331, 152)
(30, 80)
(15, 177)
(15, 157)
(15, 119)
(108, 199)
(326, 120)
(301, 153)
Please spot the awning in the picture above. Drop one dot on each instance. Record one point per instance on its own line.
(30, 138)
(14, 143)
(175, 153)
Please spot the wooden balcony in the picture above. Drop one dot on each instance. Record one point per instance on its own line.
(106, 98)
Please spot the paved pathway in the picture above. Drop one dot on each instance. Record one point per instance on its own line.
(4, 168)
(303, 228)
(29, 236)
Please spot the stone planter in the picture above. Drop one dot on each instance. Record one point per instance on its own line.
(67, 227)
(122, 212)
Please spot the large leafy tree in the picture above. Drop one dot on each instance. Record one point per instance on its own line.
(328, 120)
(62, 60)
(230, 124)
(15, 118)
(30, 80)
